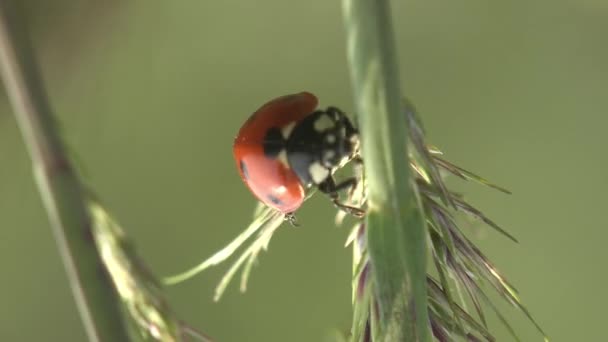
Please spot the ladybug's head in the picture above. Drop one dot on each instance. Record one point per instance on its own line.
(320, 144)
(339, 140)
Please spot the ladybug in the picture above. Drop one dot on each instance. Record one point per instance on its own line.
(288, 146)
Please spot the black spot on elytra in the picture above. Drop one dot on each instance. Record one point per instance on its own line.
(244, 169)
(275, 200)
(273, 143)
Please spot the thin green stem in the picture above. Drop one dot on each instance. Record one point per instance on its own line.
(395, 226)
(58, 183)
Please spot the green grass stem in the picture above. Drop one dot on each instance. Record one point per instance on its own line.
(395, 225)
(60, 188)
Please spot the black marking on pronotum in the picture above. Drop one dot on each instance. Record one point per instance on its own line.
(273, 143)
(275, 200)
(244, 169)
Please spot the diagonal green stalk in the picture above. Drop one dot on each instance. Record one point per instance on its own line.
(61, 191)
(396, 234)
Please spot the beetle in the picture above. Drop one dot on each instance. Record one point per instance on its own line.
(288, 146)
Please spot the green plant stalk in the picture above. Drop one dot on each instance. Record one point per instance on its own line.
(395, 225)
(61, 191)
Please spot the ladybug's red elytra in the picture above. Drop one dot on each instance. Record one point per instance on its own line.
(288, 146)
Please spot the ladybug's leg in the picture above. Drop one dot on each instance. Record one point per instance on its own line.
(357, 163)
(291, 218)
(330, 188)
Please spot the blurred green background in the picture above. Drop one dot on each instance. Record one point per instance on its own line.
(151, 93)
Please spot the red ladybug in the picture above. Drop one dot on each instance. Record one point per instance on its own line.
(288, 146)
